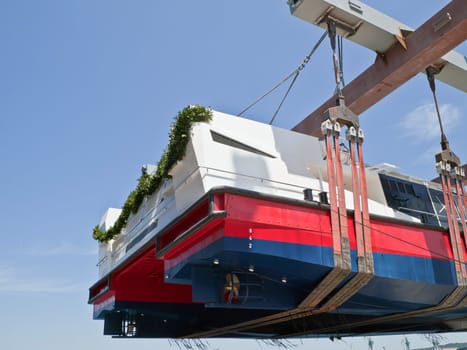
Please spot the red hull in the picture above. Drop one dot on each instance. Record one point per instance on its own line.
(238, 225)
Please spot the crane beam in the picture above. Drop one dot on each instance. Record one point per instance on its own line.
(419, 49)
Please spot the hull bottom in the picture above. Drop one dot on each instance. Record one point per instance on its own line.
(161, 320)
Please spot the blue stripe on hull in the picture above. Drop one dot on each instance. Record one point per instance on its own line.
(401, 283)
(414, 268)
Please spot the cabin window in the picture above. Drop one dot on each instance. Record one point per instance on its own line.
(414, 199)
(401, 187)
(219, 138)
(384, 182)
(409, 189)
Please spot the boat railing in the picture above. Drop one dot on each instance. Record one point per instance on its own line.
(211, 171)
(416, 211)
(119, 246)
(102, 260)
(272, 184)
(148, 217)
(439, 217)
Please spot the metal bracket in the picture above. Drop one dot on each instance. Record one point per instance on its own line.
(349, 29)
(449, 158)
(343, 115)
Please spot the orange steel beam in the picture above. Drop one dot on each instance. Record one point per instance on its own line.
(433, 39)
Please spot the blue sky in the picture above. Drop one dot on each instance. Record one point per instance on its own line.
(88, 90)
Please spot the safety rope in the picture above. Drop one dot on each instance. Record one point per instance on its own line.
(294, 74)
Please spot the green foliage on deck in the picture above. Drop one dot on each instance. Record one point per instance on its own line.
(147, 184)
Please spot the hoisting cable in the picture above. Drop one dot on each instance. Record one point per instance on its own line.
(294, 74)
(430, 74)
(330, 130)
(285, 96)
(449, 170)
(334, 118)
(336, 62)
(340, 48)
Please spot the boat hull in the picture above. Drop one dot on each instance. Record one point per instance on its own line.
(237, 256)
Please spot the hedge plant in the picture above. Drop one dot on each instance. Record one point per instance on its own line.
(147, 184)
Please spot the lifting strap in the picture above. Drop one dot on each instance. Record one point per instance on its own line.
(449, 169)
(361, 216)
(360, 194)
(455, 301)
(461, 201)
(365, 210)
(334, 118)
(338, 215)
(453, 226)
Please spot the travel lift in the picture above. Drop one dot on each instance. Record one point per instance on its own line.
(420, 49)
